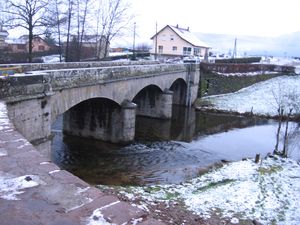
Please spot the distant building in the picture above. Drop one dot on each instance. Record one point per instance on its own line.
(3, 36)
(93, 46)
(173, 41)
(21, 45)
(97, 43)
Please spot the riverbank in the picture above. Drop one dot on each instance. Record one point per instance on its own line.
(240, 192)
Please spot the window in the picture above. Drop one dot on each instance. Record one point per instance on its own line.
(21, 47)
(160, 49)
(187, 50)
(164, 37)
(174, 48)
(41, 48)
(197, 51)
(172, 37)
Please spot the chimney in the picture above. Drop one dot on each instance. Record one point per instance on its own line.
(188, 29)
(177, 26)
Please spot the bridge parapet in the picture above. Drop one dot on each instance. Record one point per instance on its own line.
(24, 86)
(27, 67)
(90, 76)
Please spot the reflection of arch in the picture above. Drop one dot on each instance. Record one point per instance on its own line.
(179, 89)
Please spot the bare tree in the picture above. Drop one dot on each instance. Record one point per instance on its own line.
(56, 19)
(27, 14)
(82, 13)
(287, 102)
(69, 19)
(113, 19)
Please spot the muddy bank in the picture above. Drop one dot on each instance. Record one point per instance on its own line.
(207, 107)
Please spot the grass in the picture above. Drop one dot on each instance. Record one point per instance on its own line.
(214, 185)
(269, 171)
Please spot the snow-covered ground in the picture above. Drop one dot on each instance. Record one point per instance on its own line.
(262, 98)
(268, 192)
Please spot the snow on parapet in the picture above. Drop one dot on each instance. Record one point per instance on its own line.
(10, 187)
(4, 121)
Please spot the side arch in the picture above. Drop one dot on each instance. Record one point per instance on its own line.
(179, 89)
(151, 101)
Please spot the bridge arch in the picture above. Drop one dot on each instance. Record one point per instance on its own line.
(152, 101)
(179, 89)
(102, 119)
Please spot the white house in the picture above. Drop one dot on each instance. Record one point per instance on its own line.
(173, 41)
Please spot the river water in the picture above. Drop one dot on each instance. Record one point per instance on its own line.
(169, 151)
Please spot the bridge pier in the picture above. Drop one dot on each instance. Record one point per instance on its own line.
(128, 113)
(102, 120)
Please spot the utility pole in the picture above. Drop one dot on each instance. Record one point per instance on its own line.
(133, 45)
(155, 55)
(234, 50)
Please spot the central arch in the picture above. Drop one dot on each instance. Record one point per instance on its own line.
(151, 101)
(179, 88)
(99, 118)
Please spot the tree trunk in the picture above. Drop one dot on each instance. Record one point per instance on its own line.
(285, 143)
(68, 32)
(280, 112)
(58, 31)
(30, 38)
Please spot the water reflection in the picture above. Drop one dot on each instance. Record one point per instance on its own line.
(168, 151)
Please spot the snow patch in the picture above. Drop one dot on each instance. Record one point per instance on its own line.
(44, 163)
(4, 121)
(97, 217)
(247, 73)
(54, 171)
(234, 220)
(3, 152)
(10, 187)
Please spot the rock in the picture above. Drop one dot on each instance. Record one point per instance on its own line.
(28, 178)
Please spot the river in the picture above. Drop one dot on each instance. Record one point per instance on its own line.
(169, 151)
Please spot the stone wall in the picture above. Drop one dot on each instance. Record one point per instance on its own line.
(222, 78)
(214, 84)
(244, 68)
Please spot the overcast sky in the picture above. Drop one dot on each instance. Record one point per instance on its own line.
(239, 17)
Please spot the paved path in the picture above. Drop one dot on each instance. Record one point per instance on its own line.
(35, 191)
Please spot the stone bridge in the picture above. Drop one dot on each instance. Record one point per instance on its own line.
(97, 100)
